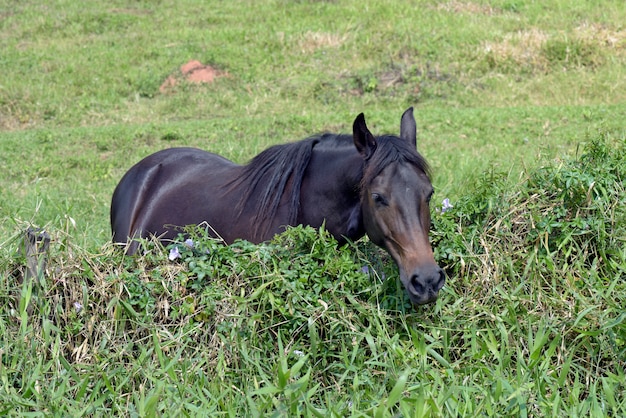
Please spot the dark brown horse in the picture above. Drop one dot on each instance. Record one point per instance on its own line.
(354, 184)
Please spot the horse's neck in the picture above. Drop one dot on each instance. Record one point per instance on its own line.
(331, 191)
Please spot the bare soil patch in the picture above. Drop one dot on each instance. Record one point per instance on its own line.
(192, 72)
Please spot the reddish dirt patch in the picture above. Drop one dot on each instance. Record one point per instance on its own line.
(192, 72)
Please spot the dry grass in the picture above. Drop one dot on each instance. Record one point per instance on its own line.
(522, 47)
(312, 41)
(603, 36)
(530, 48)
(467, 7)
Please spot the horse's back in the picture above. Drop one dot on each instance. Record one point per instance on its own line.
(156, 187)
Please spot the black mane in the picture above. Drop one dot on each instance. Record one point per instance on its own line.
(274, 172)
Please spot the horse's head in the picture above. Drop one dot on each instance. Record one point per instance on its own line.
(395, 196)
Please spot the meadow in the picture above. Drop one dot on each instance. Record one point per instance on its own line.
(520, 107)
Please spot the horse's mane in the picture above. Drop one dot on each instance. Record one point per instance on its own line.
(274, 172)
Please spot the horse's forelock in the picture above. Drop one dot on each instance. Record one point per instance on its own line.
(392, 149)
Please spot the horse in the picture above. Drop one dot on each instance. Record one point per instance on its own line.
(352, 184)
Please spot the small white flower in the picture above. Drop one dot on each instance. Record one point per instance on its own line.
(78, 306)
(174, 254)
(445, 205)
(298, 353)
(189, 243)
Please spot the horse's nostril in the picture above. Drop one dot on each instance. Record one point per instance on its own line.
(418, 287)
(440, 281)
(422, 284)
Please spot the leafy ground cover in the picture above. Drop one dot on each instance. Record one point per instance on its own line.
(520, 110)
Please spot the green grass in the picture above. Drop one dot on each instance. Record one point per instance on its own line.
(520, 111)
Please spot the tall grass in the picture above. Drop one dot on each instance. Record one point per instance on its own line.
(530, 323)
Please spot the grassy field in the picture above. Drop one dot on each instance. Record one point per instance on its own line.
(520, 108)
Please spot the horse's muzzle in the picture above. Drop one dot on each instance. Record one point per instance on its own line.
(425, 283)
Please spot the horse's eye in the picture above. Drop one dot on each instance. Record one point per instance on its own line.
(379, 199)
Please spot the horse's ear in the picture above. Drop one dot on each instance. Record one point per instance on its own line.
(408, 128)
(364, 141)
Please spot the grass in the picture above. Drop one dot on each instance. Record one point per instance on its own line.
(520, 109)
(529, 324)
